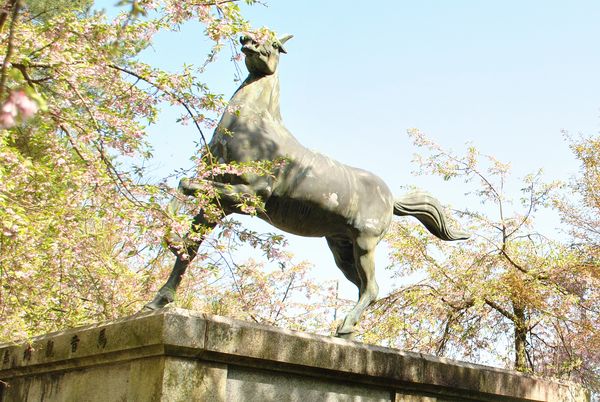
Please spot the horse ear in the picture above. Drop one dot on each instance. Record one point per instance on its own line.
(285, 38)
(282, 40)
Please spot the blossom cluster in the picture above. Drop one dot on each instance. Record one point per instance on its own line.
(17, 105)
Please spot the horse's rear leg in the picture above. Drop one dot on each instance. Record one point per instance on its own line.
(364, 257)
(343, 254)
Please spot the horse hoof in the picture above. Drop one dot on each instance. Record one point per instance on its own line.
(345, 332)
(160, 301)
(148, 307)
(175, 243)
(347, 335)
(187, 187)
(184, 184)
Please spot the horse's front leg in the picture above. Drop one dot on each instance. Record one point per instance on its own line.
(229, 197)
(185, 254)
(231, 194)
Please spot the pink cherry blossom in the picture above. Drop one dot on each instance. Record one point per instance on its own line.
(10, 107)
(7, 120)
(27, 107)
(18, 104)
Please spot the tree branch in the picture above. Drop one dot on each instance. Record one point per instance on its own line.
(285, 295)
(23, 69)
(176, 97)
(5, 11)
(501, 310)
(15, 12)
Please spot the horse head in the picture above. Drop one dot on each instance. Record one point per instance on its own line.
(262, 58)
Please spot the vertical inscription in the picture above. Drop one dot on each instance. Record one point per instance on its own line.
(74, 343)
(50, 348)
(27, 353)
(102, 340)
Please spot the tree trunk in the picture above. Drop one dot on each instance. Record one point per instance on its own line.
(520, 339)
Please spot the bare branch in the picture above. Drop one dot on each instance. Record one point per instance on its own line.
(179, 100)
(501, 310)
(285, 295)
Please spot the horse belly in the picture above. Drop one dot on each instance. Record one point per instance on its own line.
(304, 218)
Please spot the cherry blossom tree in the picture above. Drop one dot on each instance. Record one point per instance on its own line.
(580, 211)
(511, 295)
(81, 223)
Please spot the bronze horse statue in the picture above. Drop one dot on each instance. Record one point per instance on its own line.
(309, 195)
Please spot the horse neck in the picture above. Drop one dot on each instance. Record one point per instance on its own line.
(258, 94)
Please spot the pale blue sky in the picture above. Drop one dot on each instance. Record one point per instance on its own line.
(507, 76)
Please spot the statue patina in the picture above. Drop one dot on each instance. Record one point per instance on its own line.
(309, 195)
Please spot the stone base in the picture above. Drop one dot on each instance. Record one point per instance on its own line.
(177, 355)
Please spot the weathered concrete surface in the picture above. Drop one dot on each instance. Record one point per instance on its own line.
(176, 355)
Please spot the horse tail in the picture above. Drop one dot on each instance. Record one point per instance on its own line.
(429, 212)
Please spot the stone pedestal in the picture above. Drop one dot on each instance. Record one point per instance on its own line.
(176, 355)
